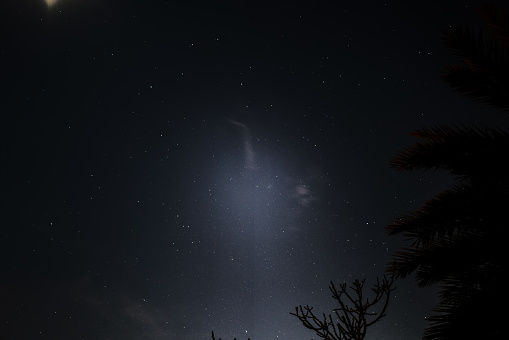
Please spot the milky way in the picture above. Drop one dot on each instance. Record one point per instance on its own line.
(172, 168)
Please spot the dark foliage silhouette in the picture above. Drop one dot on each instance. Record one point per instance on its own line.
(354, 314)
(485, 73)
(459, 238)
(214, 338)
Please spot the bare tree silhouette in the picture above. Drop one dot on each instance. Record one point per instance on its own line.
(214, 338)
(354, 314)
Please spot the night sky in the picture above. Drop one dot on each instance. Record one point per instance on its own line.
(172, 168)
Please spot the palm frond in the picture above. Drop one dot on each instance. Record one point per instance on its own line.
(484, 76)
(458, 238)
(468, 301)
(477, 51)
(489, 88)
(474, 207)
(440, 216)
(497, 22)
(463, 151)
(436, 262)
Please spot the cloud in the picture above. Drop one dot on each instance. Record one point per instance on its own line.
(79, 308)
(302, 193)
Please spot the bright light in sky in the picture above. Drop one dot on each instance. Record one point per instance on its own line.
(50, 2)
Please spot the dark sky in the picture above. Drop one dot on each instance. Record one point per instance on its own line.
(173, 168)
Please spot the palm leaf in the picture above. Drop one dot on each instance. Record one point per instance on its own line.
(437, 261)
(458, 239)
(497, 22)
(463, 151)
(486, 71)
(468, 302)
(477, 51)
(441, 216)
(486, 87)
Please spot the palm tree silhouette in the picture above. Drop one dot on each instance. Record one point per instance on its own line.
(485, 73)
(459, 238)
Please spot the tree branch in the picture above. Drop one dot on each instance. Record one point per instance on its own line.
(352, 320)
